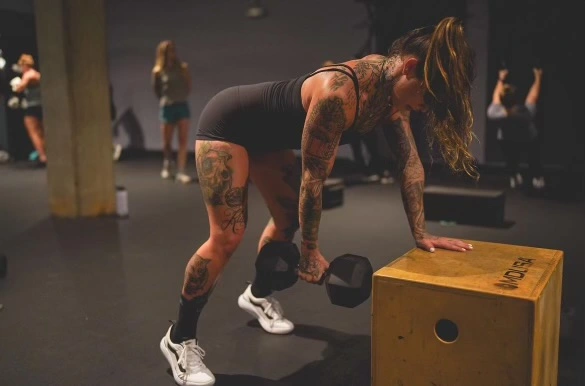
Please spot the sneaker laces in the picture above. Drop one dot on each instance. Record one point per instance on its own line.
(273, 309)
(192, 356)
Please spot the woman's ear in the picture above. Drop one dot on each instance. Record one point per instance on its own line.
(409, 67)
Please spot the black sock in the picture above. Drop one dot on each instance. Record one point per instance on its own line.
(261, 286)
(186, 326)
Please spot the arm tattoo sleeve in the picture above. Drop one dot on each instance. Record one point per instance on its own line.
(412, 176)
(321, 136)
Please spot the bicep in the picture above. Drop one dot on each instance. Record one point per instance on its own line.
(325, 123)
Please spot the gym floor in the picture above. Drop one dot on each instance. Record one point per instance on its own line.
(86, 302)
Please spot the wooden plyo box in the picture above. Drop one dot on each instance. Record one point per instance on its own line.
(487, 317)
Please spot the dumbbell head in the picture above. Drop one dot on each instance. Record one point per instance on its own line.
(277, 263)
(16, 81)
(349, 280)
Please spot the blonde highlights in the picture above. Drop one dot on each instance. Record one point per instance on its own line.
(448, 75)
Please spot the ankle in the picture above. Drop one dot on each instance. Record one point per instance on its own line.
(174, 336)
(260, 291)
(189, 312)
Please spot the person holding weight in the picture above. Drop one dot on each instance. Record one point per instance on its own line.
(249, 133)
(30, 86)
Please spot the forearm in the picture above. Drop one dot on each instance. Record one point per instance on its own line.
(412, 189)
(21, 87)
(325, 123)
(310, 207)
(497, 92)
(534, 92)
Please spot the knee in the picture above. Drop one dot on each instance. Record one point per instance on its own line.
(226, 243)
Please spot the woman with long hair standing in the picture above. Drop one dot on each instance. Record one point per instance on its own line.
(172, 84)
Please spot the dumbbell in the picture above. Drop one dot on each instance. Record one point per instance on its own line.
(277, 262)
(15, 82)
(348, 280)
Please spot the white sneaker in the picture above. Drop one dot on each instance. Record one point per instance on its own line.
(519, 179)
(165, 174)
(371, 178)
(386, 180)
(186, 360)
(183, 178)
(512, 182)
(538, 183)
(267, 310)
(117, 151)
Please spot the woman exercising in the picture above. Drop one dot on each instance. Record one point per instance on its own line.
(33, 112)
(249, 132)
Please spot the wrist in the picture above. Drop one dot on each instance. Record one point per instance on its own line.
(418, 236)
(308, 245)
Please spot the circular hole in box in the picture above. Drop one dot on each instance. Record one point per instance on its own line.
(446, 330)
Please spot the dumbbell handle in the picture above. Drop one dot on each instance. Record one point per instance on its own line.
(323, 277)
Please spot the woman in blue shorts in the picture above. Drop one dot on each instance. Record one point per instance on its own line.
(172, 85)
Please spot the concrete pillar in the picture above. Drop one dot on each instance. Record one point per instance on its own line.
(71, 38)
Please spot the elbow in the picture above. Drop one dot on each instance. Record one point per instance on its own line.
(412, 171)
(311, 178)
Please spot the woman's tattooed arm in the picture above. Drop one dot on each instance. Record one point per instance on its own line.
(412, 174)
(323, 127)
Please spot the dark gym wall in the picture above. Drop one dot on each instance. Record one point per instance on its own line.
(526, 33)
(223, 48)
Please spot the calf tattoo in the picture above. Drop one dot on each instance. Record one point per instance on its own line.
(196, 276)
